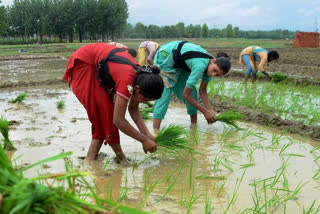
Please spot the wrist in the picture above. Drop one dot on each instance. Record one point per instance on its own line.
(143, 138)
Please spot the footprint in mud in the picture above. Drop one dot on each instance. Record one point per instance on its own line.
(32, 129)
(126, 162)
(101, 156)
(13, 124)
(20, 107)
(46, 166)
(38, 144)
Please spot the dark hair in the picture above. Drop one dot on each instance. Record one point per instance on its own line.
(132, 52)
(223, 63)
(222, 54)
(273, 54)
(150, 82)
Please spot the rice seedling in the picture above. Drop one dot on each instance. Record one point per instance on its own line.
(211, 177)
(235, 192)
(148, 189)
(190, 173)
(316, 176)
(284, 147)
(250, 132)
(208, 204)
(108, 161)
(19, 98)
(124, 189)
(230, 118)
(174, 176)
(60, 105)
(145, 113)
(312, 209)
(4, 129)
(149, 104)
(23, 195)
(189, 202)
(173, 139)
(220, 190)
(248, 165)
(278, 77)
(250, 152)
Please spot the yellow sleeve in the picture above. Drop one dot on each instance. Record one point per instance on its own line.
(263, 61)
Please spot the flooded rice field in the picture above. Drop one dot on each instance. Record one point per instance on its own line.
(228, 171)
(254, 170)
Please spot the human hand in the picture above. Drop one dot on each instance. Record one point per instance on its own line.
(210, 116)
(149, 145)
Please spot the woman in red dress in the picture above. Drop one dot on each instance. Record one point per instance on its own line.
(124, 84)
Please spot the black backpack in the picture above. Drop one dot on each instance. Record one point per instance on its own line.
(103, 70)
(179, 60)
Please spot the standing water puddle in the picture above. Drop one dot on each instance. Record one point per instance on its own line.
(274, 165)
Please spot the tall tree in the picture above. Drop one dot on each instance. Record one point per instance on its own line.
(228, 31)
(197, 31)
(180, 29)
(189, 32)
(204, 31)
(3, 20)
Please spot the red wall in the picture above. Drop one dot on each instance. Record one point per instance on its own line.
(307, 40)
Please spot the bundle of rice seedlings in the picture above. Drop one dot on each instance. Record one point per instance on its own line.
(149, 104)
(4, 129)
(23, 195)
(19, 98)
(174, 138)
(278, 77)
(230, 118)
(145, 113)
(60, 104)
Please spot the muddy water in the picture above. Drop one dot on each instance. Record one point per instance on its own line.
(41, 131)
(41, 70)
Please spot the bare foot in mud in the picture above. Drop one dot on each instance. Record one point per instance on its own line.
(124, 161)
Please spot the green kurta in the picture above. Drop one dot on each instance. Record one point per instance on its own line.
(198, 66)
(177, 79)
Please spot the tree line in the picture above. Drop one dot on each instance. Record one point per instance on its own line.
(90, 19)
(103, 20)
(180, 30)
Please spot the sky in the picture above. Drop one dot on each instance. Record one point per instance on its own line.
(246, 14)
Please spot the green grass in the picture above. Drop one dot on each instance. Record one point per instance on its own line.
(19, 98)
(4, 129)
